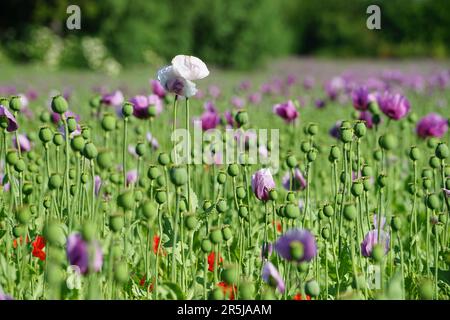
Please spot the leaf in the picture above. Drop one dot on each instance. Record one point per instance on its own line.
(175, 290)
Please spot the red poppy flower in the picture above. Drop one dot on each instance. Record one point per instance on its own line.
(298, 296)
(211, 258)
(228, 290)
(38, 246)
(156, 240)
(278, 225)
(143, 281)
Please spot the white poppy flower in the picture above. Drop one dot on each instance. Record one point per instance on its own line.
(177, 77)
(190, 67)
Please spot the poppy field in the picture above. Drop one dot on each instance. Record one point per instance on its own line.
(307, 183)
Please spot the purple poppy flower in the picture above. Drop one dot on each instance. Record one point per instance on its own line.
(98, 184)
(263, 152)
(4, 297)
(272, 277)
(447, 192)
(140, 107)
(229, 118)
(237, 102)
(209, 106)
(333, 87)
(255, 98)
(320, 103)
(32, 94)
(286, 110)
(24, 142)
(360, 98)
(395, 106)
(7, 116)
(293, 237)
(299, 181)
(200, 94)
(432, 125)
(291, 79)
(371, 239)
(335, 131)
(262, 183)
(367, 117)
(158, 89)
(152, 140)
(308, 83)
(131, 177)
(210, 120)
(214, 91)
(78, 254)
(266, 250)
(114, 99)
(245, 85)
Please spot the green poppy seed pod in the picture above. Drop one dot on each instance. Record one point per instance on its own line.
(305, 146)
(240, 192)
(90, 151)
(387, 141)
(86, 133)
(243, 212)
(55, 274)
(433, 201)
(27, 188)
(47, 203)
(447, 171)
(216, 294)
(412, 118)
(246, 291)
(346, 134)
(58, 139)
(149, 209)
(360, 129)
(206, 246)
(77, 143)
(411, 188)
(121, 273)
(233, 170)
(273, 195)
(140, 149)
(346, 124)
(396, 223)
(343, 177)
(335, 153)
(108, 122)
(434, 162)
(88, 231)
(241, 118)
(4, 102)
(442, 151)
(328, 210)
(227, 233)
(45, 117)
(116, 223)
(216, 236)
(291, 211)
(382, 180)
(160, 197)
(426, 183)
(427, 173)
(20, 165)
(152, 112)
(230, 274)
(163, 159)
(207, 205)
(366, 171)
(280, 211)
(126, 200)
(326, 233)
(290, 197)
(59, 104)
(153, 172)
(191, 222)
(221, 206)
(15, 103)
(221, 177)
(414, 153)
(161, 181)
(23, 215)
(71, 124)
(313, 129)
(377, 155)
(45, 134)
(105, 159)
(367, 184)
(178, 176)
(54, 234)
(11, 157)
(84, 178)
(31, 155)
(183, 205)
(432, 142)
(312, 155)
(357, 188)
(291, 161)
(377, 253)
(73, 189)
(55, 181)
(19, 231)
(350, 212)
(95, 102)
(127, 109)
(312, 288)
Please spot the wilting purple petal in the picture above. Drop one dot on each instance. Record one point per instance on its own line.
(24, 142)
(272, 277)
(12, 123)
(299, 181)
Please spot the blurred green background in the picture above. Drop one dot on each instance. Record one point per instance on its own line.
(236, 34)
